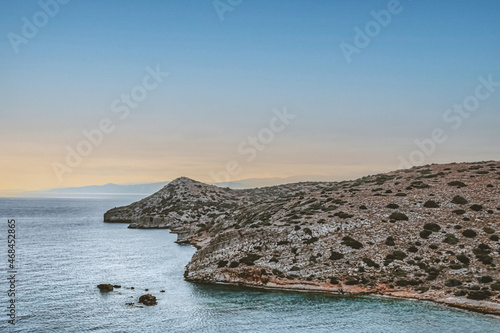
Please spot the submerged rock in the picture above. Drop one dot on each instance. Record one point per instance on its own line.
(105, 287)
(148, 300)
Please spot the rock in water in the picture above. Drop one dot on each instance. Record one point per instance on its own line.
(105, 287)
(148, 300)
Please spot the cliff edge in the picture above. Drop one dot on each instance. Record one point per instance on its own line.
(429, 232)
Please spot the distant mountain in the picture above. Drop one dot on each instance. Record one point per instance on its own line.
(107, 189)
(150, 188)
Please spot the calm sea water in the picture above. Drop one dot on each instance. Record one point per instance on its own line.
(64, 250)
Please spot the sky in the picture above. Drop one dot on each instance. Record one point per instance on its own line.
(94, 92)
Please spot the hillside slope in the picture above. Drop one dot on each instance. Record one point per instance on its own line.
(429, 232)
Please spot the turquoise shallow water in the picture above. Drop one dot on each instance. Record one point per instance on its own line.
(64, 250)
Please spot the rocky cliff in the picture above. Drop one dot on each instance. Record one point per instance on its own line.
(429, 232)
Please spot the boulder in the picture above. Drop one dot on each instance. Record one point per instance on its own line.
(148, 300)
(105, 287)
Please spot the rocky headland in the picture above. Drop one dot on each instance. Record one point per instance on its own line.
(429, 233)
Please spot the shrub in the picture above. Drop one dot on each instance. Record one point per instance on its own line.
(488, 230)
(398, 216)
(431, 204)
(336, 255)
(363, 207)
(459, 200)
(494, 238)
(278, 273)
(392, 206)
(432, 227)
(433, 246)
(425, 233)
(404, 283)
(283, 242)
(222, 263)
(485, 279)
(450, 239)
(294, 269)
(311, 240)
(389, 241)
(351, 282)
(463, 259)
(476, 208)
(433, 273)
(459, 211)
(399, 255)
(308, 231)
(343, 215)
(250, 259)
(419, 184)
(413, 249)
(348, 241)
(234, 264)
(452, 283)
(482, 254)
(370, 263)
(479, 294)
(495, 286)
(469, 233)
(388, 259)
(457, 183)
(422, 289)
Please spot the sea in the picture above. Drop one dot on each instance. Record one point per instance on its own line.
(63, 250)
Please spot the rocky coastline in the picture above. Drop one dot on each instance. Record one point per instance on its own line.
(428, 233)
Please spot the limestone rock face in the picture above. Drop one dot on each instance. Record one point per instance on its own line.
(428, 232)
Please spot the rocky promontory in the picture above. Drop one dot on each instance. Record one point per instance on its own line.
(429, 233)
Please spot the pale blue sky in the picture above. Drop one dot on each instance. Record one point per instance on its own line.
(227, 76)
